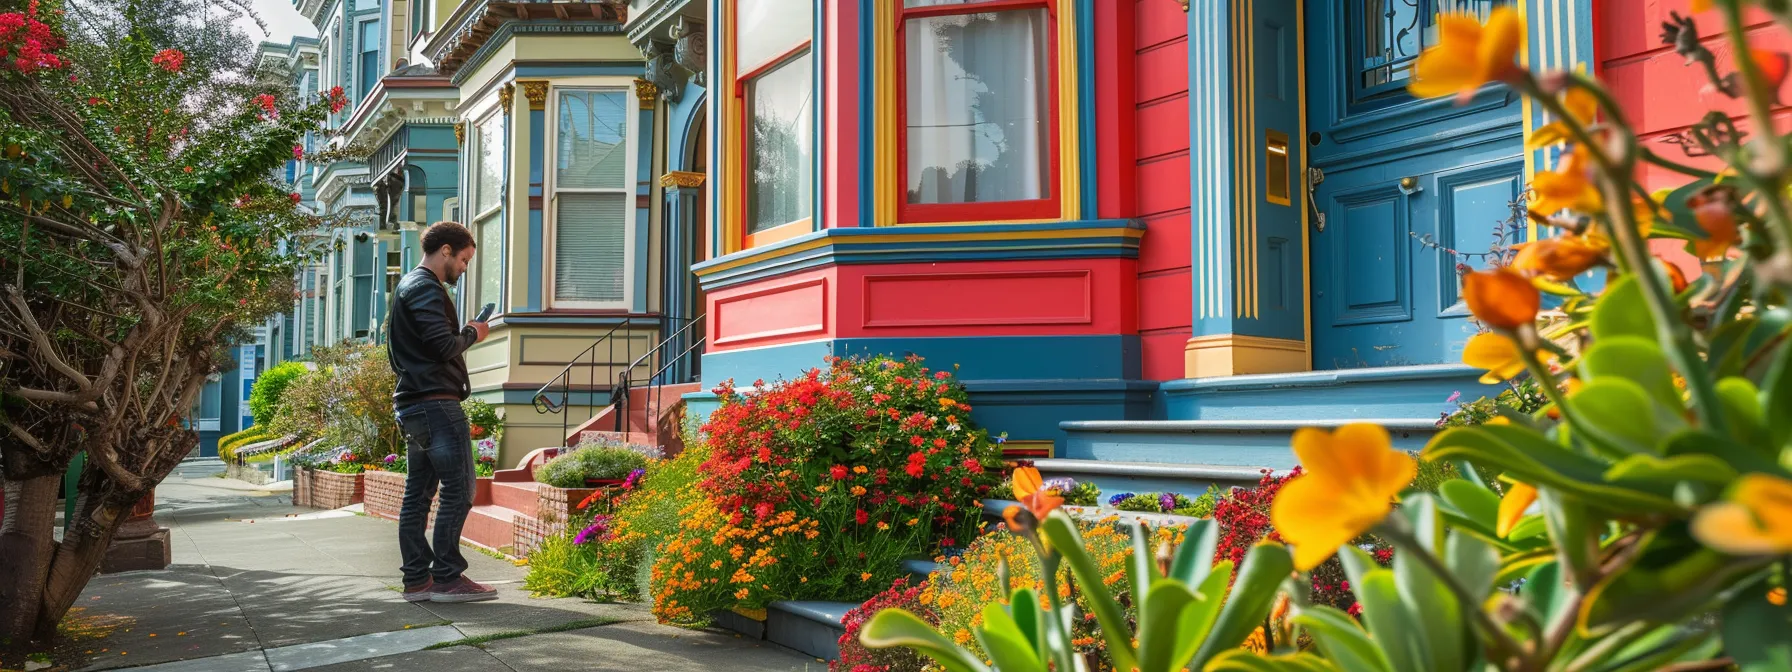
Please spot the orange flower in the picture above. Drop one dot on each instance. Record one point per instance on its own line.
(1468, 54)
(1562, 257)
(1029, 489)
(1772, 65)
(1568, 187)
(1501, 298)
(1498, 354)
(1581, 105)
(1676, 277)
(1512, 507)
(1714, 209)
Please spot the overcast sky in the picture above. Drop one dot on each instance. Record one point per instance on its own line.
(282, 20)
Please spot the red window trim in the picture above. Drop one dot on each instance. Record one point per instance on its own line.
(744, 181)
(924, 213)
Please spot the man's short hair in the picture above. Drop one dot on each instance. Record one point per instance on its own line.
(453, 234)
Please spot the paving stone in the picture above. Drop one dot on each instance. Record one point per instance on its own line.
(456, 659)
(362, 647)
(634, 647)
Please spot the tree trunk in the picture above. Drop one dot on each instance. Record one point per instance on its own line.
(78, 557)
(27, 544)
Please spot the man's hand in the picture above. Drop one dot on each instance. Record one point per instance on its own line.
(481, 328)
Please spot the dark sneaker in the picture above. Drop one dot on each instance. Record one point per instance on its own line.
(420, 592)
(463, 589)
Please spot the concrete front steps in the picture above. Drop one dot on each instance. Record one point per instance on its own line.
(812, 628)
(492, 522)
(1226, 431)
(652, 417)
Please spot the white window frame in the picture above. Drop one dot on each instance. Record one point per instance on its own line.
(630, 191)
(492, 115)
(355, 64)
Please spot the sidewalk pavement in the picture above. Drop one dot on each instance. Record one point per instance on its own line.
(261, 586)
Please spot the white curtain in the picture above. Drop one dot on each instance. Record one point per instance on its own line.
(978, 126)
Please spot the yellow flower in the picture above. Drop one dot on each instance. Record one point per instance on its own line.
(1777, 596)
(1569, 186)
(1498, 354)
(1468, 54)
(821, 488)
(881, 525)
(1351, 478)
(1580, 104)
(858, 490)
(865, 577)
(1501, 298)
(1756, 519)
(1512, 507)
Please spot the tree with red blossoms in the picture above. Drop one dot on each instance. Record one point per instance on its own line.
(140, 230)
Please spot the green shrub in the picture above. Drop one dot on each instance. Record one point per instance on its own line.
(614, 566)
(265, 396)
(573, 469)
(1201, 507)
(227, 448)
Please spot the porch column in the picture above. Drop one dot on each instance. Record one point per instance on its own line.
(1247, 192)
(683, 192)
(1560, 38)
(523, 237)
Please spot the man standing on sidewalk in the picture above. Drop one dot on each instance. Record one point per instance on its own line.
(425, 347)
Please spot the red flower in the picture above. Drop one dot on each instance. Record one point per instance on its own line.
(337, 99)
(93, 100)
(762, 510)
(939, 443)
(860, 516)
(838, 472)
(298, 152)
(295, 199)
(266, 102)
(916, 440)
(170, 59)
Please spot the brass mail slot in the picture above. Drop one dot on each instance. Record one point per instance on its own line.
(1275, 168)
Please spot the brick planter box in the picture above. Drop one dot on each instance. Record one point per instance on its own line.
(326, 489)
(553, 507)
(385, 494)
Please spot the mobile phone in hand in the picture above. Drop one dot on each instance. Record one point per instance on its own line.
(485, 314)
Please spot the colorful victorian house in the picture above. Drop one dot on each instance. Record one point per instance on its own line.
(1153, 236)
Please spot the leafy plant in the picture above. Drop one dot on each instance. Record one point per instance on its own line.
(855, 657)
(483, 420)
(575, 468)
(264, 397)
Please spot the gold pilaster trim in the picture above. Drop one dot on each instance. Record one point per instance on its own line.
(506, 96)
(679, 178)
(1238, 354)
(648, 94)
(460, 133)
(537, 93)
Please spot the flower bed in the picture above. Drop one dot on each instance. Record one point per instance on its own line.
(554, 507)
(321, 489)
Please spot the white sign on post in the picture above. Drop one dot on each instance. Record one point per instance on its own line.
(245, 373)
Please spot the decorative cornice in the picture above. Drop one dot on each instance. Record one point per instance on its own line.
(647, 93)
(537, 93)
(512, 29)
(1184, 5)
(1086, 239)
(475, 25)
(679, 178)
(506, 95)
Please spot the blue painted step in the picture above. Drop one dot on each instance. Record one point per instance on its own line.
(1383, 392)
(1188, 455)
(812, 628)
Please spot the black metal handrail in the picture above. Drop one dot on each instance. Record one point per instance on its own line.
(544, 397)
(625, 382)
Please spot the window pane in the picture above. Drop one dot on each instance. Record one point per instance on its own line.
(1393, 32)
(489, 259)
(780, 157)
(489, 146)
(765, 29)
(590, 247)
(590, 152)
(978, 111)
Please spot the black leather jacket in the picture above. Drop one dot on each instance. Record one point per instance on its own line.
(424, 340)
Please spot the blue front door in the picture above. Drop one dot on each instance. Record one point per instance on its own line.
(1410, 189)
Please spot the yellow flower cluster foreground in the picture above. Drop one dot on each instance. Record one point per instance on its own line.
(1756, 518)
(1468, 55)
(1350, 480)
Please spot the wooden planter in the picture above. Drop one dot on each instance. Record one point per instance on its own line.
(319, 489)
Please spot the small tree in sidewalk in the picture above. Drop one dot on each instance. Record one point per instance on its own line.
(140, 231)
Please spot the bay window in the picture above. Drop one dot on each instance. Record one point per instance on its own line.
(593, 197)
(775, 89)
(488, 227)
(977, 112)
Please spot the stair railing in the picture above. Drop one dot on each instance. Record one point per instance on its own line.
(561, 386)
(678, 366)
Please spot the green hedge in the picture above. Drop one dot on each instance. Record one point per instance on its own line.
(227, 445)
(264, 397)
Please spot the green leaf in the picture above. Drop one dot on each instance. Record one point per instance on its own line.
(1141, 571)
(1028, 619)
(891, 628)
(1742, 408)
(1529, 457)
(1342, 640)
(1665, 646)
(1636, 359)
(1729, 345)
(1390, 622)
(1004, 643)
(1064, 538)
(1651, 472)
(1159, 626)
(1240, 660)
(1757, 634)
(1196, 623)
(1436, 612)
(1744, 458)
(1622, 311)
(1472, 501)
(1475, 564)
(1776, 390)
(1194, 558)
(1544, 593)
(1253, 594)
(1658, 589)
(1576, 541)
(1620, 419)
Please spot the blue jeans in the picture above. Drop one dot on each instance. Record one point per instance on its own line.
(438, 451)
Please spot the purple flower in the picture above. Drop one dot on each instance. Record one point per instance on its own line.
(1061, 484)
(1167, 502)
(391, 458)
(634, 477)
(599, 527)
(1454, 397)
